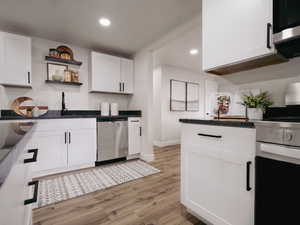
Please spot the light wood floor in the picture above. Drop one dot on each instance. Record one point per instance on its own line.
(153, 200)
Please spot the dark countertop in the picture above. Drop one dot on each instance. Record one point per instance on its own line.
(72, 114)
(11, 134)
(225, 123)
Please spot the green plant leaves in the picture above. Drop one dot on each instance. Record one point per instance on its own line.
(262, 100)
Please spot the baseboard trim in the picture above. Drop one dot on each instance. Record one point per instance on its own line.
(147, 157)
(166, 143)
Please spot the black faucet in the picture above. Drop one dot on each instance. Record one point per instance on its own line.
(63, 104)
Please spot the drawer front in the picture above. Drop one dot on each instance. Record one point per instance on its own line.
(228, 143)
(65, 124)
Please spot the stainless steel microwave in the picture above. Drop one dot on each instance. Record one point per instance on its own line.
(286, 27)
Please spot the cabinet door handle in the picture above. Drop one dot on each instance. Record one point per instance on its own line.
(65, 137)
(123, 87)
(35, 195)
(69, 137)
(134, 121)
(141, 131)
(34, 157)
(269, 29)
(210, 135)
(28, 76)
(120, 85)
(248, 188)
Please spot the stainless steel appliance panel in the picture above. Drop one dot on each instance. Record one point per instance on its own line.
(269, 134)
(292, 95)
(112, 140)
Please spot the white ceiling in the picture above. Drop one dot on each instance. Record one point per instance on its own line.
(176, 52)
(135, 23)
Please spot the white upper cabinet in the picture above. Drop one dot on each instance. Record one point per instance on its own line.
(15, 60)
(111, 74)
(105, 73)
(127, 75)
(236, 31)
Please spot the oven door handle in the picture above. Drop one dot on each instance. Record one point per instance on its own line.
(248, 188)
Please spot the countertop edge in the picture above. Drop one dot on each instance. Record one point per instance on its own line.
(238, 124)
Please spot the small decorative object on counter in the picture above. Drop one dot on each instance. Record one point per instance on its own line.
(114, 109)
(256, 105)
(104, 109)
(68, 76)
(25, 106)
(53, 52)
(223, 104)
(35, 112)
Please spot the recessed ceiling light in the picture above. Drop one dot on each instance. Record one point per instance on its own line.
(194, 51)
(104, 22)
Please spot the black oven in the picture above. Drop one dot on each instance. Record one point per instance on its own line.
(286, 27)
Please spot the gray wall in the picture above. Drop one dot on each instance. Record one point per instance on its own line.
(50, 94)
(271, 78)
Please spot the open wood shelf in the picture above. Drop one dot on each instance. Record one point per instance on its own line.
(65, 61)
(63, 82)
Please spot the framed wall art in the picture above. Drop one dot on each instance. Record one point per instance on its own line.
(177, 95)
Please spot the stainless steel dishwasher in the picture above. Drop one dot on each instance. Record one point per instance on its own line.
(112, 139)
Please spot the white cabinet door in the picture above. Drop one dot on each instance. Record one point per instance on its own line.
(235, 30)
(13, 193)
(127, 75)
(52, 150)
(106, 73)
(134, 135)
(82, 147)
(216, 189)
(16, 58)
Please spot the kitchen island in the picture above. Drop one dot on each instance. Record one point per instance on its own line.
(217, 170)
(15, 178)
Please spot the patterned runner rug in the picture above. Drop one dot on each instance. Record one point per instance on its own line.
(69, 186)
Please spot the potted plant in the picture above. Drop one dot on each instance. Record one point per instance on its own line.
(256, 105)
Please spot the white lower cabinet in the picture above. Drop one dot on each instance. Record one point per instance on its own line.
(52, 150)
(15, 190)
(214, 183)
(134, 135)
(64, 145)
(82, 147)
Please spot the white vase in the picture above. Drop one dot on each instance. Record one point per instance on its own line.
(255, 114)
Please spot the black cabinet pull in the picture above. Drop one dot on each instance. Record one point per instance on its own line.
(269, 29)
(248, 188)
(34, 157)
(123, 86)
(69, 137)
(28, 75)
(65, 137)
(120, 85)
(209, 135)
(141, 131)
(35, 195)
